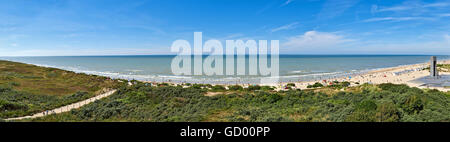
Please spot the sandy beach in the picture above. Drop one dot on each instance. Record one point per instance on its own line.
(404, 74)
(397, 75)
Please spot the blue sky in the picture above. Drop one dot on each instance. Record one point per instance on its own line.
(122, 27)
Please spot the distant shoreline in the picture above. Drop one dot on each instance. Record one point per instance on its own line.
(245, 54)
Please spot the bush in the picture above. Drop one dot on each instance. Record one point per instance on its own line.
(235, 88)
(267, 88)
(218, 88)
(394, 87)
(315, 85)
(345, 84)
(254, 87)
(290, 85)
(9, 106)
(367, 105)
(197, 86)
(387, 112)
(413, 104)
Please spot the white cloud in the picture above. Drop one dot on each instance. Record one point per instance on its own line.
(396, 19)
(444, 15)
(447, 38)
(442, 4)
(334, 8)
(374, 9)
(412, 6)
(314, 39)
(285, 27)
(66, 51)
(431, 47)
(395, 8)
(287, 2)
(314, 42)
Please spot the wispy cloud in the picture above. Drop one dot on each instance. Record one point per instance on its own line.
(333, 8)
(410, 6)
(430, 47)
(444, 15)
(441, 4)
(285, 27)
(395, 19)
(395, 8)
(447, 38)
(287, 2)
(315, 40)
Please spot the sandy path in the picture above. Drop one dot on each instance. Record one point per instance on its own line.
(67, 107)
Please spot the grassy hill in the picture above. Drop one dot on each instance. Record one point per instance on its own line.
(27, 89)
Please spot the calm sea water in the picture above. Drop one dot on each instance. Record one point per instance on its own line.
(157, 67)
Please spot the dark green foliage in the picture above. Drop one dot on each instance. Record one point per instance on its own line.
(17, 103)
(413, 104)
(197, 86)
(253, 88)
(394, 87)
(387, 112)
(218, 88)
(315, 85)
(267, 88)
(235, 88)
(290, 85)
(339, 85)
(367, 105)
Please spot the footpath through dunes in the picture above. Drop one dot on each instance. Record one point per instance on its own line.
(67, 107)
(26, 90)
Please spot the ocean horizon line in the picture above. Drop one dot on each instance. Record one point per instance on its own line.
(131, 55)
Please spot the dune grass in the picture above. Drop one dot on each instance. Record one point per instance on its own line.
(49, 81)
(27, 89)
(365, 103)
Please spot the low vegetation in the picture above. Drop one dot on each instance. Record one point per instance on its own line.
(444, 67)
(366, 103)
(26, 89)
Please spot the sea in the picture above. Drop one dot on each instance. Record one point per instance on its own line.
(157, 68)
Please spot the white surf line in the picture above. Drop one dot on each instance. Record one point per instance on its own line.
(67, 107)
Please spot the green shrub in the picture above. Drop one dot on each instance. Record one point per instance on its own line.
(315, 85)
(253, 87)
(367, 105)
(345, 84)
(387, 112)
(218, 88)
(197, 86)
(394, 87)
(413, 104)
(290, 85)
(267, 88)
(235, 88)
